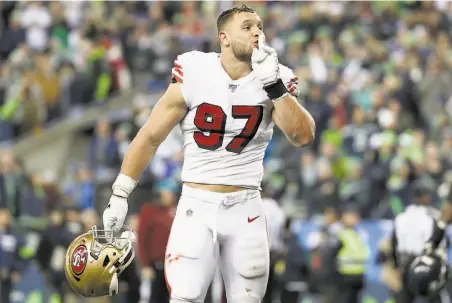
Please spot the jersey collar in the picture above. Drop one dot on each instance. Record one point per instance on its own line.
(239, 82)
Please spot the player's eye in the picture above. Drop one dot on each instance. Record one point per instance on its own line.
(247, 27)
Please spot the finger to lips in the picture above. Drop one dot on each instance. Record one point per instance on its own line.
(258, 55)
(261, 40)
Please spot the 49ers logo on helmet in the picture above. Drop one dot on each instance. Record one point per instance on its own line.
(79, 259)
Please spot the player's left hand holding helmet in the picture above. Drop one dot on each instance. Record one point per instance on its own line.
(116, 211)
(95, 259)
(427, 274)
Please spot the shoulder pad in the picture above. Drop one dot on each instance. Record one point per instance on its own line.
(185, 63)
(289, 79)
(181, 66)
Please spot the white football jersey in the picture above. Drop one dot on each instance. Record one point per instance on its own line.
(414, 227)
(228, 124)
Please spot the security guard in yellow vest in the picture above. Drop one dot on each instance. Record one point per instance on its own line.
(352, 254)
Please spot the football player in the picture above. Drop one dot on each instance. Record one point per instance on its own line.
(429, 273)
(226, 105)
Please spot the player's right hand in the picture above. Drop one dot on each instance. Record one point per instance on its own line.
(115, 213)
(264, 61)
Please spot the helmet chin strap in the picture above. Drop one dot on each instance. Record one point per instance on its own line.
(113, 290)
(114, 284)
(132, 255)
(119, 263)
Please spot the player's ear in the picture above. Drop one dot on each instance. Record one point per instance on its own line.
(224, 38)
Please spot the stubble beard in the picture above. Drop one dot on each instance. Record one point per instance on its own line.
(241, 53)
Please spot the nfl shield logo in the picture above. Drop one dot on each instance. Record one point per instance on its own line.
(232, 87)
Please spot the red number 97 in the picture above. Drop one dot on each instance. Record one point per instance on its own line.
(212, 119)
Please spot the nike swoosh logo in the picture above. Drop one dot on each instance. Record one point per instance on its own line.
(252, 219)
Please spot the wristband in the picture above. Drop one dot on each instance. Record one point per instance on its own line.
(276, 90)
(123, 186)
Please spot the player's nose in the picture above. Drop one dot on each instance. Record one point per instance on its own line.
(256, 32)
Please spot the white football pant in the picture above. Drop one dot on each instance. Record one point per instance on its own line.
(217, 228)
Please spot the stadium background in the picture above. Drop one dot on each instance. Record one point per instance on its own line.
(77, 80)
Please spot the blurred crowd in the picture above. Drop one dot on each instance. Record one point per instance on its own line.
(375, 76)
(380, 95)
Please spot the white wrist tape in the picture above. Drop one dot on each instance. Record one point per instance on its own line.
(123, 186)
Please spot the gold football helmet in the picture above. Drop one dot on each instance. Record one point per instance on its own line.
(95, 259)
